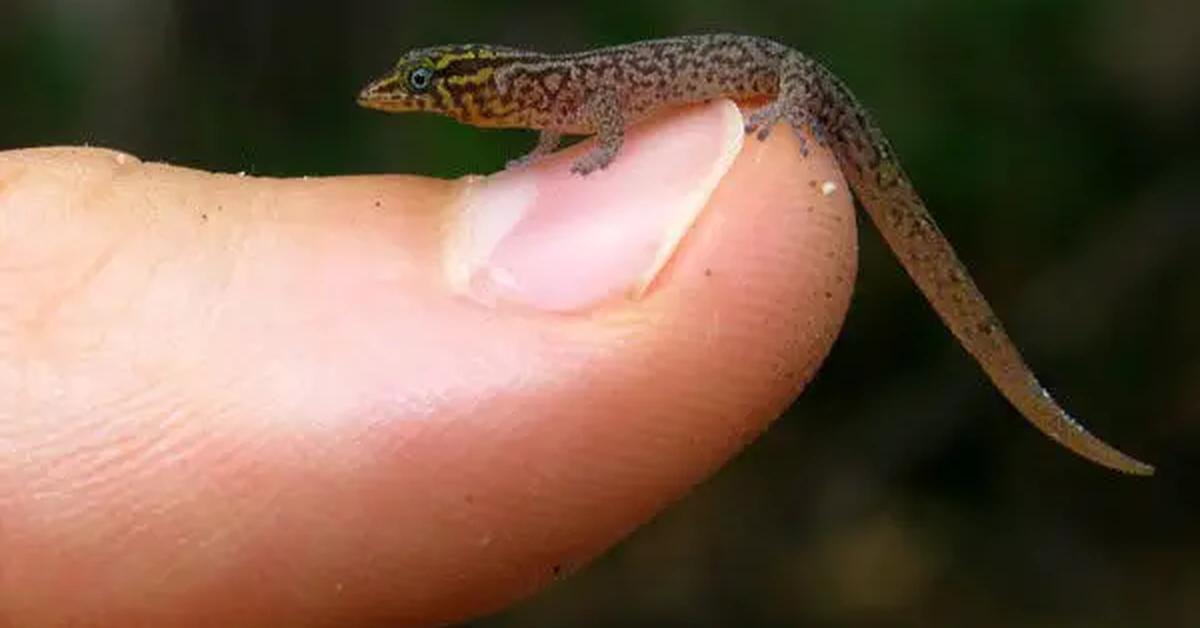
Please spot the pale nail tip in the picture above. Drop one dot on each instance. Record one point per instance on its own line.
(489, 209)
(562, 241)
(730, 147)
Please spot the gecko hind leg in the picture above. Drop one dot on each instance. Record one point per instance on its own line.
(793, 104)
(548, 140)
(764, 119)
(604, 113)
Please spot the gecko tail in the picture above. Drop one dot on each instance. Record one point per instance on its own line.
(1043, 411)
(886, 193)
(929, 259)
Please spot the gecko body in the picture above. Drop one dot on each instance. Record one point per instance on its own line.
(601, 92)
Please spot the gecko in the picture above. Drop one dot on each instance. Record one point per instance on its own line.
(602, 91)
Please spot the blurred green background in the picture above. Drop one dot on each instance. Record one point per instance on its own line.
(1054, 140)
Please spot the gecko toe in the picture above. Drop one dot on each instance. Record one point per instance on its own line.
(583, 168)
(763, 120)
(518, 163)
(596, 160)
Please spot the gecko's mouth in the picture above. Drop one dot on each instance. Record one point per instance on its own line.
(382, 94)
(372, 102)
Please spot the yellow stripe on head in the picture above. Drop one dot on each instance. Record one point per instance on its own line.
(478, 76)
(443, 61)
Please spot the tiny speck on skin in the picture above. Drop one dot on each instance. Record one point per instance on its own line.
(378, 203)
(204, 217)
(470, 499)
(812, 183)
(708, 272)
(557, 570)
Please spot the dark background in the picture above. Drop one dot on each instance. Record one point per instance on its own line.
(1056, 141)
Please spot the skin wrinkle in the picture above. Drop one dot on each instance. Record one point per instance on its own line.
(45, 315)
(9, 178)
(42, 318)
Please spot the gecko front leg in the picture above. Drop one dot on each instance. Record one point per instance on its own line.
(548, 140)
(603, 113)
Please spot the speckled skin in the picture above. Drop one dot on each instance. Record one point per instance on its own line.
(603, 91)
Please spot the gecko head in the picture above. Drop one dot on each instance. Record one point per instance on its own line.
(432, 79)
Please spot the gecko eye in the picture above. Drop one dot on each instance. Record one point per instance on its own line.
(419, 79)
